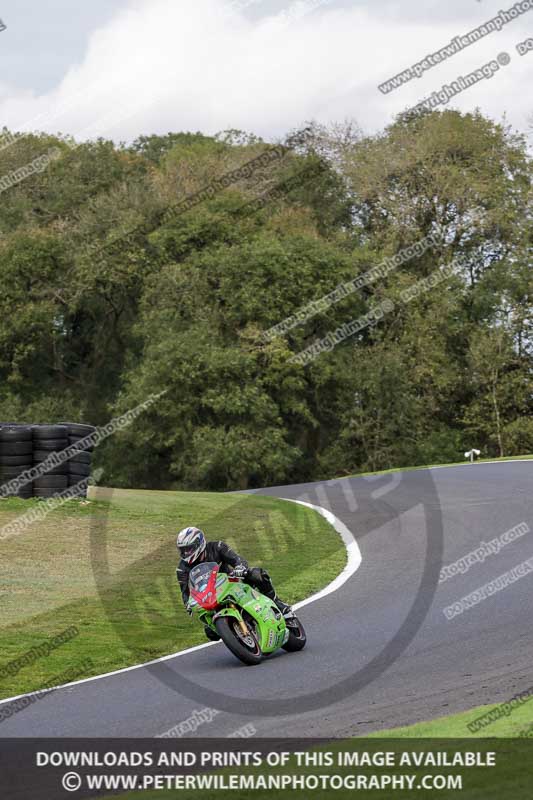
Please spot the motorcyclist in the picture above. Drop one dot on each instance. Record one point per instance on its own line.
(194, 548)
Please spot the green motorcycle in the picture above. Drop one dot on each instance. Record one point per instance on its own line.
(250, 624)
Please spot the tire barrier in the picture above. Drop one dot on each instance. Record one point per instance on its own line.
(16, 447)
(25, 447)
(50, 439)
(79, 465)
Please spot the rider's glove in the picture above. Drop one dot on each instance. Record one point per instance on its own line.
(240, 571)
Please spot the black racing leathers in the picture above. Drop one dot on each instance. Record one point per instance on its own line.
(222, 554)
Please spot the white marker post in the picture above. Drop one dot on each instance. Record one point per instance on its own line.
(471, 453)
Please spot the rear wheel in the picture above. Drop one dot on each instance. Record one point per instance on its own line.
(245, 648)
(297, 637)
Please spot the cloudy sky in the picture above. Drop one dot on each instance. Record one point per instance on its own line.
(120, 68)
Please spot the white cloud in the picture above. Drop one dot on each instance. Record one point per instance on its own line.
(163, 65)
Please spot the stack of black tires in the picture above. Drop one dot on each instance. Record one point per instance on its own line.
(48, 439)
(23, 447)
(16, 456)
(79, 466)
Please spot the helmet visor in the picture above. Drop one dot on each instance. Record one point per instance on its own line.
(188, 551)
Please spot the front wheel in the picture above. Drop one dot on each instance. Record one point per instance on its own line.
(246, 648)
(297, 637)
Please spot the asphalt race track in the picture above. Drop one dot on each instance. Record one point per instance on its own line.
(381, 652)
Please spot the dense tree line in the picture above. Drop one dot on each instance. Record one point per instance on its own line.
(114, 288)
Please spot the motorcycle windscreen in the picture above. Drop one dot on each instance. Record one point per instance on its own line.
(199, 575)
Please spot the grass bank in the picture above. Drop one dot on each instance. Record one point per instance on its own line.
(495, 721)
(107, 567)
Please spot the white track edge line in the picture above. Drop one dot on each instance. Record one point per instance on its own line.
(352, 548)
(353, 564)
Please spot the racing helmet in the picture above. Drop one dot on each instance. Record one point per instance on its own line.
(191, 544)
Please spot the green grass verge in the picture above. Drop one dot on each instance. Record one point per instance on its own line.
(433, 466)
(517, 722)
(107, 567)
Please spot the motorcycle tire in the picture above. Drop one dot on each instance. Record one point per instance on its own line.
(249, 655)
(297, 636)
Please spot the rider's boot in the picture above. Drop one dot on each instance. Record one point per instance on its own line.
(285, 609)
